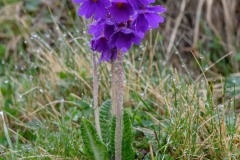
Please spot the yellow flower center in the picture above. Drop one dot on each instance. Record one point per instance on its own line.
(120, 4)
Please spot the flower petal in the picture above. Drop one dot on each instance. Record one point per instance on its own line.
(123, 42)
(158, 8)
(154, 19)
(121, 10)
(79, 1)
(141, 23)
(100, 11)
(87, 9)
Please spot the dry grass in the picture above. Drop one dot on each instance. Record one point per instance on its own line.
(197, 117)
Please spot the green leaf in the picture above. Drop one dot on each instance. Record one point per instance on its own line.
(62, 75)
(127, 149)
(111, 147)
(238, 56)
(95, 148)
(150, 108)
(2, 51)
(105, 119)
(32, 6)
(6, 88)
(232, 85)
(5, 129)
(8, 103)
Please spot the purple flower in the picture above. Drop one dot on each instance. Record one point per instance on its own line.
(119, 23)
(93, 7)
(138, 4)
(159, 9)
(101, 45)
(121, 10)
(124, 37)
(109, 28)
(148, 18)
(102, 27)
(111, 55)
(78, 1)
(96, 28)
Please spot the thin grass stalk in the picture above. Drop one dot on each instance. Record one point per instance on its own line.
(197, 23)
(175, 29)
(119, 109)
(114, 91)
(95, 95)
(5, 129)
(229, 31)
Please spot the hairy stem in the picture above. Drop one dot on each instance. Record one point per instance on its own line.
(114, 91)
(119, 108)
(95, 95)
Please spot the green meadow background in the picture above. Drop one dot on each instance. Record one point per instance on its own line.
(182, 84)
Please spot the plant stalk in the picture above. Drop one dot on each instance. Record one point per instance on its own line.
(119, 108)
(95, 95)
(114, 87)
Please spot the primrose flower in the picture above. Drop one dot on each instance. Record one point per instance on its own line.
(101, 45)
(96, 28)
(119, 23)
(124, 37)
(93, 7)
(102, 27)
(121, 10)
(108, 56)
(109, 28)
(148, 18)
(138, 4)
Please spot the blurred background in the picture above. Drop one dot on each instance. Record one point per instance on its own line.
(187, 67)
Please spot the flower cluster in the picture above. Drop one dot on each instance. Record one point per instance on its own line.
(119, 23)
